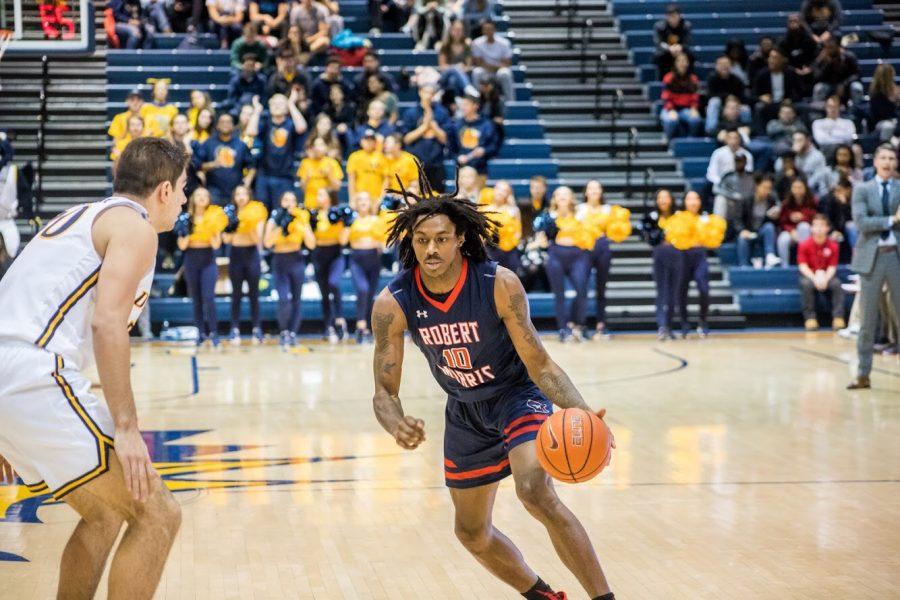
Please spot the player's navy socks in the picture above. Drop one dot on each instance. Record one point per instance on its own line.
(539, 591)
(609, 596)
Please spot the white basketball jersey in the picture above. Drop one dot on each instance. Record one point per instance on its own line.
(47, 295)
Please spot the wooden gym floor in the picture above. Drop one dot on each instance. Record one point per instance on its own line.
(743, 470)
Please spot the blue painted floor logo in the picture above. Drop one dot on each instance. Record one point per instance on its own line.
(182, 467)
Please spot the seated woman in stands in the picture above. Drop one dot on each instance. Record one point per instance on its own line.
(203, 127)
(569, 242)
(798, 207)
(607, 223)
(503, 210)
(455, 61)
(884, 102)
(160, 109)
(680, 114)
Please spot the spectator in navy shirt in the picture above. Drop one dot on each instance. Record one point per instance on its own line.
(244, 85)
(376, 120)
(427, 128)
(673, 37)
(223, 158)
(132, 30)
(278, 137)
(321, 87)
(272, 16)
(720, 84)
(287, 74)
(475, 139)
(371, 66)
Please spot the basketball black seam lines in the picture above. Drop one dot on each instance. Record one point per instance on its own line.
(565, 449)
(587, 456)
(544, 451)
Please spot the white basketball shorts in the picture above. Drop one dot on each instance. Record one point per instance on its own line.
(54, 432)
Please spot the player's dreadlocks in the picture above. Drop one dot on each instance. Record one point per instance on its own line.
(479, 230)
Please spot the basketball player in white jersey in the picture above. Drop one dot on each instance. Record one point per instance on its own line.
(68, 300)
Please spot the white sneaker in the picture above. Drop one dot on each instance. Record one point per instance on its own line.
(772, 261)
(756, 262)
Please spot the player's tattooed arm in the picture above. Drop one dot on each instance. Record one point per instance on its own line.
(512, 306)
(389, 324)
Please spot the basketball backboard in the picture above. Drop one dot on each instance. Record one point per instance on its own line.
(48, 26)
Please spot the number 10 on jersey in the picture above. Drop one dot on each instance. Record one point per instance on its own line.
(457, 358)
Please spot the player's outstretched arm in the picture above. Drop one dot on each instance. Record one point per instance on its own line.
(127, 244)
(512, 306)
(388, 324)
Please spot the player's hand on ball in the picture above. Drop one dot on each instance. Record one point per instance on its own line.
(612, 439)
(7, 475)
(410, 433)
(140, 477)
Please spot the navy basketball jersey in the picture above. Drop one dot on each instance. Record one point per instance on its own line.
(464, 339)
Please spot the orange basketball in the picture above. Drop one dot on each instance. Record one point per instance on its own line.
(573, 445)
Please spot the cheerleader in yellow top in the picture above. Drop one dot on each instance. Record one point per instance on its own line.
(366, 235)
(568, 256)
(692, 233)
(199, 232)
(607, 223)
(504, 212)
(287, 231)
(246, 219)
(328, 223)
(666, 262)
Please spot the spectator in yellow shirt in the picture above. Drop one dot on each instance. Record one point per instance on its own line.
(318, 171)
(119, 127)
(160, 111)
(367, 169)
(400, 163)
(135, 130)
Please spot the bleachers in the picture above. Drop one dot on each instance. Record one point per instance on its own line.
(757, 292)
(525, 151)
(772, 291)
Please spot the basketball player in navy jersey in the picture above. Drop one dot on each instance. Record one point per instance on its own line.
(471, 320)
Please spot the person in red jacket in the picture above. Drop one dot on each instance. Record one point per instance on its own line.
(817, 258)
(681, 100)
(797, 211)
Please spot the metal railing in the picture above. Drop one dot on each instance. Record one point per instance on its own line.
(587, 38)
(649, 184)
(571, 11)
(618, 100)
(42, 132)
(629, 154)
(599, 78)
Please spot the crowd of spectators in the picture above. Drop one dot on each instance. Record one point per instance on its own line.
(795, 126)
(278, 116)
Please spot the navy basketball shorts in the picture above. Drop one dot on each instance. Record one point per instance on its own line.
(479, 435)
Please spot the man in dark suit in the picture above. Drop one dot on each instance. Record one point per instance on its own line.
(777, 82)
(876, 211)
